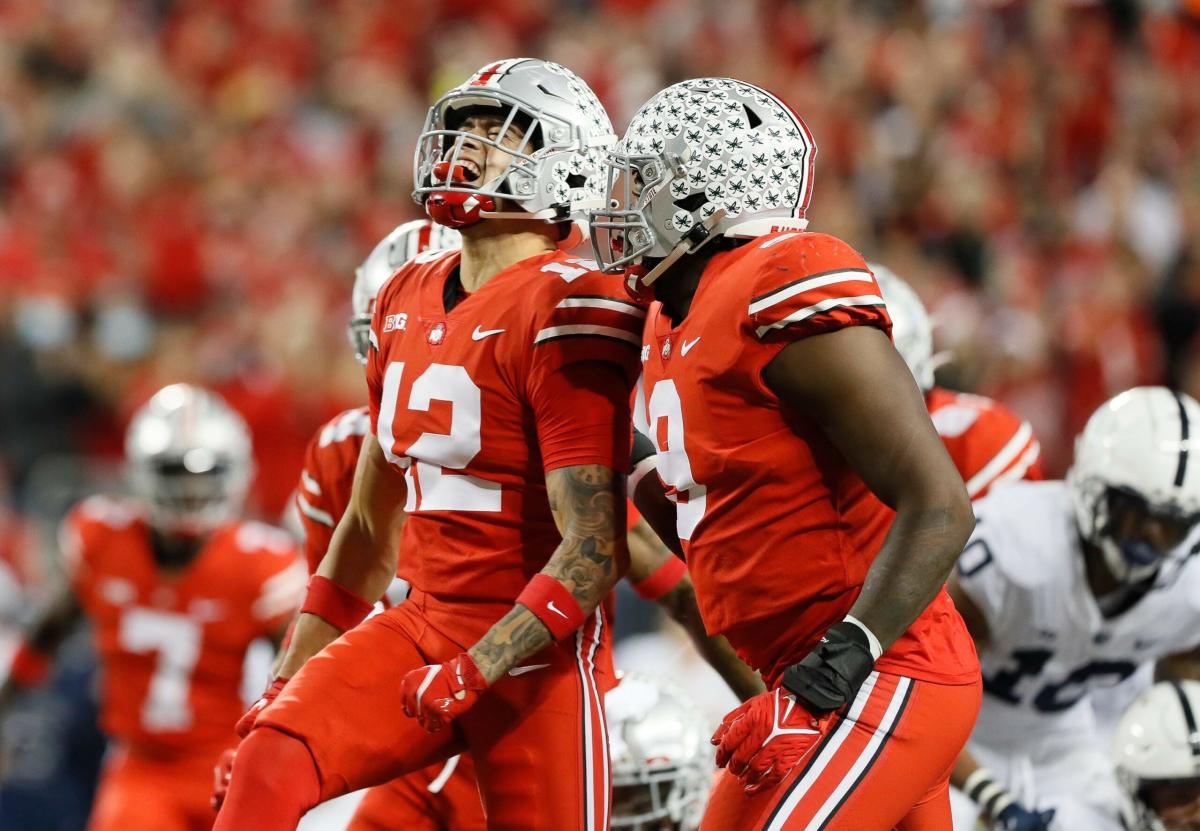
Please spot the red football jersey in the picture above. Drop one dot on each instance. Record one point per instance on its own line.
(171, 645)
(453, 405)
(779, 530)
(327, 479)
(989, 443)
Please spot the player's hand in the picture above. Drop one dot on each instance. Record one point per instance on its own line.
(1016, 817)
(435, 695)
(222, 772)
(246, 722)
(766, 737)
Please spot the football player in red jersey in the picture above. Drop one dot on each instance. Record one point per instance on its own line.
(988, 443)
(499, 383)
(176, 589)
(445, 796)
(818, 509)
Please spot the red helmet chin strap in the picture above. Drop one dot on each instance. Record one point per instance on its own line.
(634, 287)
(455, 209)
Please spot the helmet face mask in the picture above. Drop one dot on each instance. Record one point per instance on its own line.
(1136, 498)
(189, 460)
(554, 170)
(662, 763)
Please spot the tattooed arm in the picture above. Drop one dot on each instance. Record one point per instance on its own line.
(589, 508)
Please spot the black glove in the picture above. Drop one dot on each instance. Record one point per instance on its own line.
(1001, 807)
(828, 678)
(1018, 818)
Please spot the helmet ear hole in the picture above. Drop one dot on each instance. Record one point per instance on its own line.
(751, 117)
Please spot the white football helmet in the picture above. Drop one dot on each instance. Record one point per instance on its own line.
(912, 331)
(1156, 750)
(662, 763)
(1141, 447)
(189, 459)
(401, 245)
(556, 173)
(707, 157)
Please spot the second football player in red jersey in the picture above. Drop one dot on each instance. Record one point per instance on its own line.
(176, 589)
(818, 509)
(989, 444)
(499, 385)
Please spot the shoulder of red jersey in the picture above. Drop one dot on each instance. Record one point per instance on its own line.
(91, 518)
(329, 462)
(582, 313)
(807, 283)
(425, 265)
(989, 443)
(273, 566)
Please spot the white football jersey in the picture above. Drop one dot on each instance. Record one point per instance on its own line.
(1049, 644)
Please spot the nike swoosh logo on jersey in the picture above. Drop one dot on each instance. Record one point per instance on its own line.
(515, 671)
(550, 605)
(687, 346)
(480, 334)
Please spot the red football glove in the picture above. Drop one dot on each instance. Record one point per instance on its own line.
(436, 695)
(222, 772)
(764, 739)
(246, 722)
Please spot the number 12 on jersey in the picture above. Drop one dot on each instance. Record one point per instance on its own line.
(430, 487)
(674, 466)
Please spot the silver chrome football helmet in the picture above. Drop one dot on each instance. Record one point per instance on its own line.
(912, 331)
(706, 157)
(401, 245)
(189, 459)
(662, 762)
(1142, 447)
(1156, 750)
(556, 173)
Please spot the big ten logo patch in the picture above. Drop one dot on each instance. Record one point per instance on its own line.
(395, 323)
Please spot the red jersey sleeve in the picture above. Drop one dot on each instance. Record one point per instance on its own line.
(582, 416)
(327, 479)
(277, 574)
(809, 284)
(80, 530)
(989, 443)
(589, 318)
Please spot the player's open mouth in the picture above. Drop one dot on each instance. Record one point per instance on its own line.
(464, 172)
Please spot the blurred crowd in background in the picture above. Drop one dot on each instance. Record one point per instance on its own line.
(186, 187)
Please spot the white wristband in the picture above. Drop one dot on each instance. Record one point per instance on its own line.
(872, 641)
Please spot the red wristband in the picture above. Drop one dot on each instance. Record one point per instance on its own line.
(334, 603)
(664, 578)
(29, 668)
(553, 605)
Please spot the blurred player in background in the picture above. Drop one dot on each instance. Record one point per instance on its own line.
(662, 760)
(1073, 586)
(988, 443)
(176, 588)
(1157, 753)
(499, 382)
(788, 431)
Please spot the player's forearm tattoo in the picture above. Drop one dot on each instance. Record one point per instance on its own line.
(584, 499)
(513, 638)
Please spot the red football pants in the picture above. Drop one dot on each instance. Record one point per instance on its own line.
(443, 797)
(884, 765)
(140, 793)
(537, 737)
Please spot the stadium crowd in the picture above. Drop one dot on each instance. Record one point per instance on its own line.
(186, 187)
